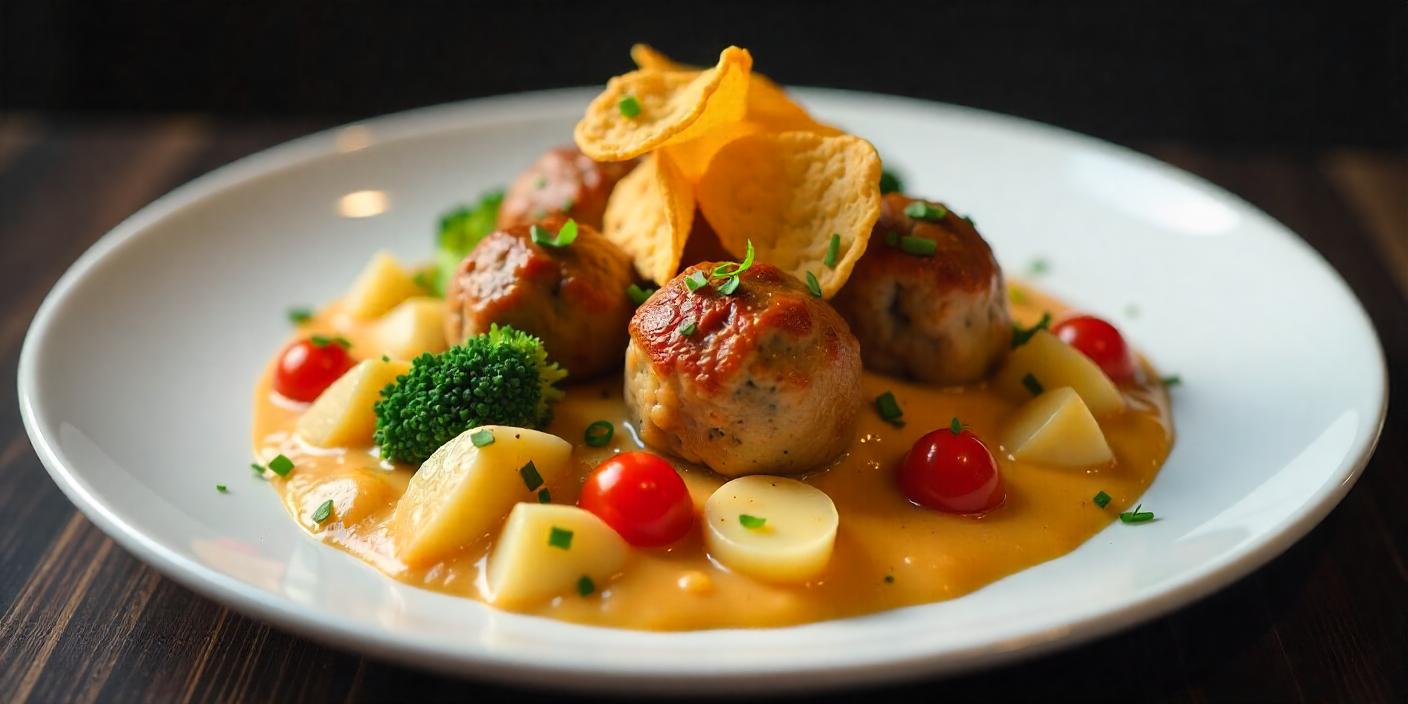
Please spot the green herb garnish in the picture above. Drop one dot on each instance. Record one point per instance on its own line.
(565, 236)
(689, 328)
(585, 586)
(728, 269)
(1102, 499)
(696, 280)
(257, 468)
(1137, 516)
(299, 316)
(918, 246)
(1017, 295)
(889, 579)
(222, 488)
(323, 512)
(281, 465)
(919, 210)
(324, 341)
(890, 182)
(729, 286)
(1171, 380)
(970, 222)
(1039, 266)
(1032, 384)
(386, 358)
(813, 285)
(889, 409)
(599, 433)
(1021, 335)
(833, 250)
(637, 294)
(544, 496)
(560, 538)
(892, 239)
(568, 204)
(482, 437)
(751, 522)
(630, 107)
(531, 478)
(955, 427)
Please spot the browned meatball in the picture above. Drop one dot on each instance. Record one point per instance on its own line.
(764, 381)
(562, 180)
(573, 298)
(940, 318)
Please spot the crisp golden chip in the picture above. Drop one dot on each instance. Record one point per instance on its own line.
(649, 216)
(664, 107)
(789, 193)
(693, 157)
(648, 59)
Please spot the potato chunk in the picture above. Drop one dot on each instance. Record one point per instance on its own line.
(1056, 428)
(380, 286)
(548, 550)
(1045, 362)
(342, 415)
(415, 326)
(771, 528)
(461, 493)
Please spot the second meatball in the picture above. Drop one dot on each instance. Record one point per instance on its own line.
(562, 181)
(573, 298)
(763, 381)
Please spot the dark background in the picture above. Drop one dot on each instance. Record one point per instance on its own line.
(1250, 73)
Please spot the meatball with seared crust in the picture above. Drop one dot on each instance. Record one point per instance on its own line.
(562, 181)
(939, 317)
(763, 381)
(573, 298)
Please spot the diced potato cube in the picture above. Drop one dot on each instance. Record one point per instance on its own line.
(380, 286)
(355, 492)
(1045, 362)
(771, 528)
(342, 415)
(416, 325)
(1056, 428)
(548, 550)
(463, 491)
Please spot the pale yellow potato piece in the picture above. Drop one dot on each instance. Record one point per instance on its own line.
(649, 215)
(795, 541)
(1056, 428)
(355, 493)
(1053, 364)
(342, 415)
(526, 566)
(462, 492)
(415, 326)
(382, 284)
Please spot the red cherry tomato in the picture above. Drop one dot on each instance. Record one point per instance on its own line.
(642, 497)
(951, 472)
(1101, 342)
(306, 368)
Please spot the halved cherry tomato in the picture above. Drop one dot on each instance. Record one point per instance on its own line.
(642, 497)
(306, 368)
(1101, 342)
(951, 472)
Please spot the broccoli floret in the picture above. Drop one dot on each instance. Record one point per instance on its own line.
(502, 377)
(460, 230)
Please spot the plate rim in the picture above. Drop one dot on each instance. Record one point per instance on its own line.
(391, 645)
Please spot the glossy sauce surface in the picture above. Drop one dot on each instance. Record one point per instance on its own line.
(889, 553)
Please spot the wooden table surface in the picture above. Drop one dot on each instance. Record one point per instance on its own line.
(83, 620)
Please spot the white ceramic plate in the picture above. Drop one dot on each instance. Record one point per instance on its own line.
(135, 385)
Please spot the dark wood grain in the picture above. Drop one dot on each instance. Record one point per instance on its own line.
(83, 621)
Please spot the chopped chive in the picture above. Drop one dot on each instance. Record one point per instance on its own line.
(423, 280)
(1137, 516)
(889, 579)
(560, 538)
(889, 409)
(222, 488)
(299, 316)
(1171, 380)
(919, 210)
(1040, 266)
(728, 269)
(544, 496)
(1021, 335)
(813, 285)
(637, 294)
(751, 522)
(689, 328)
(585, 586)
(531, 478)
(892, 239)
(918, 246)
(323, 511)
(630, 107)
(599, 433)
(696, 280)
(890, 182)
(257, 468)
(970, 222)
(386, 358)
(1017, 294)
(324, 341)
(1102, 499)
(281, 465)
(955, 427)
(1032, 384)
(833, 249)
(729, 286)
(482, 437)
(567, 206)
(564, 237)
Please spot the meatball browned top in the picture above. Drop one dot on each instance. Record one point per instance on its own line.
(940, 317)
(562, 180)
(573, 298)
(763, 381)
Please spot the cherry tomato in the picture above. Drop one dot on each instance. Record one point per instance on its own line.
(306, 368)
(642, 497)
(1101, 342)
(951, 472)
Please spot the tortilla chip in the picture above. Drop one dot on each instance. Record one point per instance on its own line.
(675, 107)
(649, 216)
(789, 192)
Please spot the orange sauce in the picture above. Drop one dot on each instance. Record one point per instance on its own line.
(889, 553)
